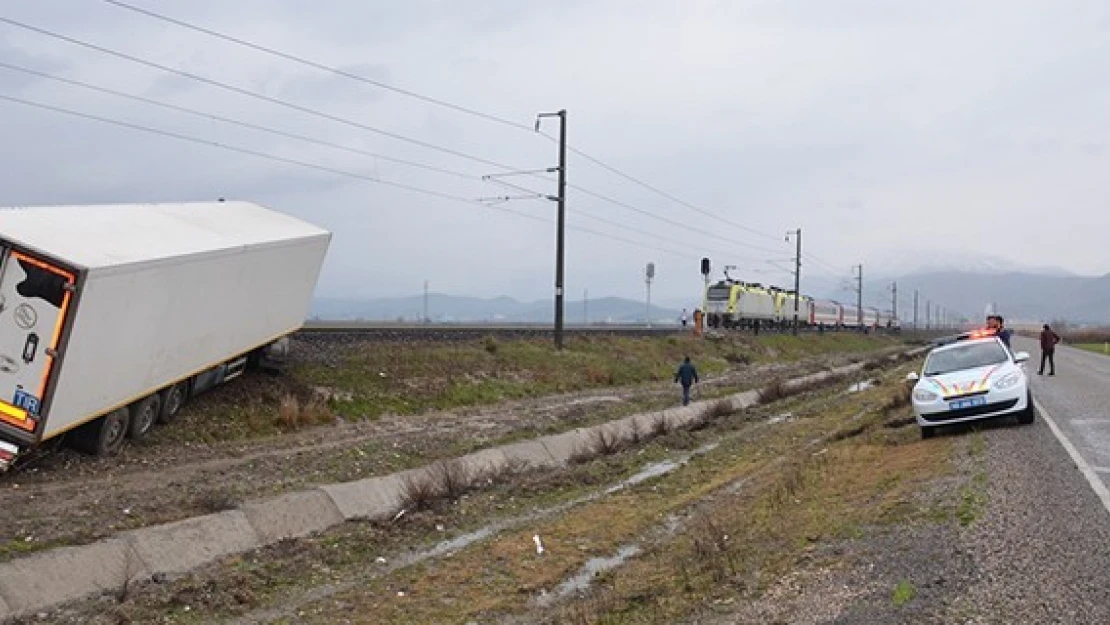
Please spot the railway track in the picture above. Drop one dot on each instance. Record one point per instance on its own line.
(412, 332)
(317, 330)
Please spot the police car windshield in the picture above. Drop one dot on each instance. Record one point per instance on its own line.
(967, 356)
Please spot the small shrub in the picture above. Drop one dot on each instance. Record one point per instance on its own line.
(217, 501)
(451, 478)
(289, 412)
(720, 408)
(490, 345)
(292, 414)
(605, 442)
(774, 391)
(419, 491)
(600, 377)
(659, 425)
(738, 358)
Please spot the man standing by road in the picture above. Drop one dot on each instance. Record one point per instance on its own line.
(995, 323)
(1049, 339)
(687, 375)
(684, 317)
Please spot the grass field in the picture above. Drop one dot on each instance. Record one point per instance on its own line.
(1098, 348)
(377, 379)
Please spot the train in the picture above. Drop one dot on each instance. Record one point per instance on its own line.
(750, 305)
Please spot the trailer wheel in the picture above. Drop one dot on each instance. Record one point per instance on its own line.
(143, 415)
(173, 399)
(104, 436)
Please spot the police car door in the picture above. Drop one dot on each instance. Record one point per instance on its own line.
(34, 298)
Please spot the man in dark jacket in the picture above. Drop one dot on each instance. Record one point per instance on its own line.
(687, 375)
(995, 323)
(1049, 339)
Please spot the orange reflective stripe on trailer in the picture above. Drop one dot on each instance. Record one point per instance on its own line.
(14, 414)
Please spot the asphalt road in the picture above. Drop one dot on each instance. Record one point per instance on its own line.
(1077, 400)
(1042, 552)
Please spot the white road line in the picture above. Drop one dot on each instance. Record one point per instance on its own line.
(1088, 472)
(1101, 469)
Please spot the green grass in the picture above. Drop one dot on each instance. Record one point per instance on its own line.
(1098, 348)
(379, 379)
(904, 592)
(973, 495)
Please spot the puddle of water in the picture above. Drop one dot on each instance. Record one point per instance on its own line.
(585, 576)
(861, 386)
(780, 418)
(655, 469)
(658, 469)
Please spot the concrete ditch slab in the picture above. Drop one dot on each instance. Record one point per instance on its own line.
(374, 498)
(566, 446)
(532, 453)
(745, 400)
(484, 464)
(292, 515)
(67, 574)
(185, 545)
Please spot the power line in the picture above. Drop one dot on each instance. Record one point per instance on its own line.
(235, 148)
(672, 222)
(320, 66)
(665, 194)
(251, 94)
(308, 165)
(425, 98)
(296, 136)
(236, 122)
(330, 117)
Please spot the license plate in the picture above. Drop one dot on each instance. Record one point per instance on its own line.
(970, 402)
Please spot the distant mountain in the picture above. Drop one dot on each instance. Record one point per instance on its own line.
(957, 262)
(1018, 296)
(460, 309)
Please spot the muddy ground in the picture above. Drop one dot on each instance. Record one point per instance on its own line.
(825, 507)
(62, 497)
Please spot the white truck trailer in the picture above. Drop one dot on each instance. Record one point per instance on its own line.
(112, 316)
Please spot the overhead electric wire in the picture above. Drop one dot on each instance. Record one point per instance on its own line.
(320, 66)
(234, 148)
(308, 165)
(251, 94)
(334, 118)
(425, 98)
(672, 222)
(236, 122)
(661, 192)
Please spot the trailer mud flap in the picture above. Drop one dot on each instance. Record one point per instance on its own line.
(34, 299)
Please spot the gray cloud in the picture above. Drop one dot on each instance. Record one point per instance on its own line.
(894, 134)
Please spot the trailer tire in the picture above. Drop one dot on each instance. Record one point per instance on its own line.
(144, 413)
(104, 436)
(173, 399)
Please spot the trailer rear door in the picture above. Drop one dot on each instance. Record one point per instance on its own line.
(34, 299)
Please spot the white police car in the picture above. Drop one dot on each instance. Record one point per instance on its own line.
(974, 378)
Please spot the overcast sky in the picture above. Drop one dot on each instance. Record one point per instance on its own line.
(895, 134)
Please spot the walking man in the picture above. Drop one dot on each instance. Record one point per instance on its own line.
(684, 317)
(687, 375)
(1049, 339)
